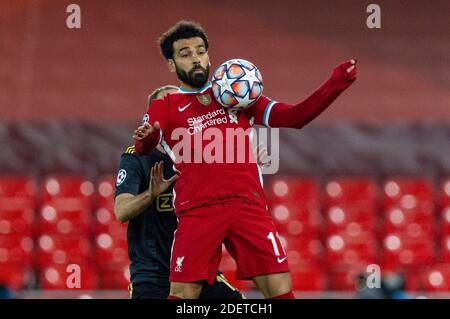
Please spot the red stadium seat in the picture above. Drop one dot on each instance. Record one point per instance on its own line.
(436, 278)
(340, 217)
(105, 190)
(444, 221)
(415, 221)
(17, 276)
(354, 247)
(445, 193)
(17, 187)
(62, 277)
(344, 277)
(297, 220)
(302, 252)
(357, 192)
(408, 193)
(445, 249)
(17, 222)
(116, 277)
(309, 279)
(63, 250)
(65, 221)
(67, 192)
(300, 191)
(305, 257)
(403, 251)
(105, 222)
(294, 205)
(17, 197)
(111, 250)
(16, 250)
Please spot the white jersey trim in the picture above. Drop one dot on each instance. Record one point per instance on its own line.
(267, 113)
(201, 90)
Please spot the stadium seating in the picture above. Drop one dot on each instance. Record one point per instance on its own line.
(300, 191)
(17, 221)
(63, 250)
(344, 277)
(62, 277)
(330, 232)
(105, 191)
(408, 193)
(16, 249)
(65, 221)
(73, 189)
(345, 248)
(401, 250)
(111, 250)
(436, 278)
(115, 276)
(445, 249)
(358, 192)
(17, 276)
(345, 216)
(297, 220)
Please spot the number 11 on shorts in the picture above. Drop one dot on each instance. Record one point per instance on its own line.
(271, 237)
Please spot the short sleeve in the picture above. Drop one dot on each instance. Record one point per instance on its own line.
(130, 175)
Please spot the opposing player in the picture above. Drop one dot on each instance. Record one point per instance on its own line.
(221, 201)
(144, 198)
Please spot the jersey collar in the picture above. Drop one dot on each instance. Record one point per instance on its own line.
(201, 90)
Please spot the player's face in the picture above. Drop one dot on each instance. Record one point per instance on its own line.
(190, 62)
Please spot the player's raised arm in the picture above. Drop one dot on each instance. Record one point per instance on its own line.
(296, 116)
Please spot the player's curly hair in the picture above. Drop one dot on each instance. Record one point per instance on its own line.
(182, 30)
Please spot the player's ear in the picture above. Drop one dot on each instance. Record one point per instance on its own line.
(171, 65)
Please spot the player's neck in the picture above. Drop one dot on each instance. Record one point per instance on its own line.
(187, 88)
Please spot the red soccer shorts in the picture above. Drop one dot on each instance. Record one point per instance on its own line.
(246, 229)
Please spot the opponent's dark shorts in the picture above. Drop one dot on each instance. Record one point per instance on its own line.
(220, 289)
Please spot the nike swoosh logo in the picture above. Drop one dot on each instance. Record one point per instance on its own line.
(181, 109)
(281, 260)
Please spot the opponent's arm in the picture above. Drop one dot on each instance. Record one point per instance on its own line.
(127, 206)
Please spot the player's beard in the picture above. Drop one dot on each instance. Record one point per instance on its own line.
(196, 81)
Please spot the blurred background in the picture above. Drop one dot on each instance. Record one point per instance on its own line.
(368, 182)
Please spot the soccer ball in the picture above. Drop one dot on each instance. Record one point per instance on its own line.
(237, 84)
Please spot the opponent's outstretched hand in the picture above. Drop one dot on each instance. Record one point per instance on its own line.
(157, 183)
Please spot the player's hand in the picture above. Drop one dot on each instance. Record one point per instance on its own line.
(345, 74)
(157, 183)
(262, 156)
(145, 130)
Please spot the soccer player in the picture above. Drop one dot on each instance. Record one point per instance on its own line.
(144, 198)
(221, 202)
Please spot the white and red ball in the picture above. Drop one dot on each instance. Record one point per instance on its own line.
(237, 84)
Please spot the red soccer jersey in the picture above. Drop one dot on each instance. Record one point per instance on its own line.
(209, 174)
(196, 117)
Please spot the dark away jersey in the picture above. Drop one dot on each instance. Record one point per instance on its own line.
(150, 234)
